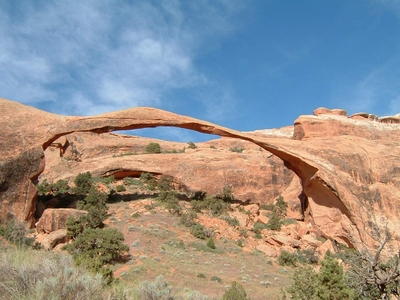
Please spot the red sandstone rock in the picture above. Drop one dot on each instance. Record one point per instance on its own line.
(54, 238)
(55, 218)
(347, 167)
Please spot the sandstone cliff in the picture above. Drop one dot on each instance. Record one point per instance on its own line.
(346, 166)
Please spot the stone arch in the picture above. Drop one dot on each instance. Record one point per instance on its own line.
(37, 130)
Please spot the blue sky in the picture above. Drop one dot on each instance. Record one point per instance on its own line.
(242, 64)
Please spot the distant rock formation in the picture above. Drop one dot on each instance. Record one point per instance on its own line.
(347, 166)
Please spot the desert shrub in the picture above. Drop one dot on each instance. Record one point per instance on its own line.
(170, 201)
(215, 278)
(226, 194)
(83, 183)
(215, 205)
(274, 222)
(165, 183)
(136, 215)
(188, 219)
(240, 243)
(281, 207)
(243, 232)
(149, 180)
(231, 221)
(16, 233)
(198, 231)
(145, 177)
(95, 203)
(120, 188)
(195, 295)
(94, 248)
(46, 188)
(132, 181)
(213, 147)
(288, 259)
(158, 290)
(236, 149)
(75, 226)
(235, 292)
(43, 188)
(329, 283)
(153, 148)
(211, 243)
(192, 145)
(307, 256)
(60, 187)
(201, 275)
(258, 227)
(51, 276)
(106, 180)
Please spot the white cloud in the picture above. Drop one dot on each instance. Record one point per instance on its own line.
(96, 56)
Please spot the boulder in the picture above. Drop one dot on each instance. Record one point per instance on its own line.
(54, 219)
(54, 238)
(267, 250)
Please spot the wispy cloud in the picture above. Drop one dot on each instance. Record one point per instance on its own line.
(87, 57)
(377, 92)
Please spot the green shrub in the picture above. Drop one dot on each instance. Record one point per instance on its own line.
(215, 205)
(201, 275)
(75, 226)
(105, 180)
(94, 248)
(95, 203)
(120, 188)
(198, 231)
(231, 221)
(215, 278)
(213, 147)
(158, 290)
(281, 207)
(16, 233)
(192, 145)
(145, 177)
(165, 183)
(258, 227)
(307, 256)
(83, 183)
(153, 148)
(287, 259)
(329, 283)
(274, 222)
(235, 292)
(136, 215)
(58, 188)
(226, 194)
(236, 149)
(243, 232)
(128, 181)
(43, 188)
(188, 219)
(211, 244)
(51, 276)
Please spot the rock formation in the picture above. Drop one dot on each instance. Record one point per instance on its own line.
(346, 166)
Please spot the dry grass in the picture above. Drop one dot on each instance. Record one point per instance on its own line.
(27, 274)
(160, 245)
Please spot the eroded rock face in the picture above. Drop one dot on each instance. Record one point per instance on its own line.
(54, 219)
(254, 175)
(347, 167)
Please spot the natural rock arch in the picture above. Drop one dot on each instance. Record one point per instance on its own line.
(27, 132)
